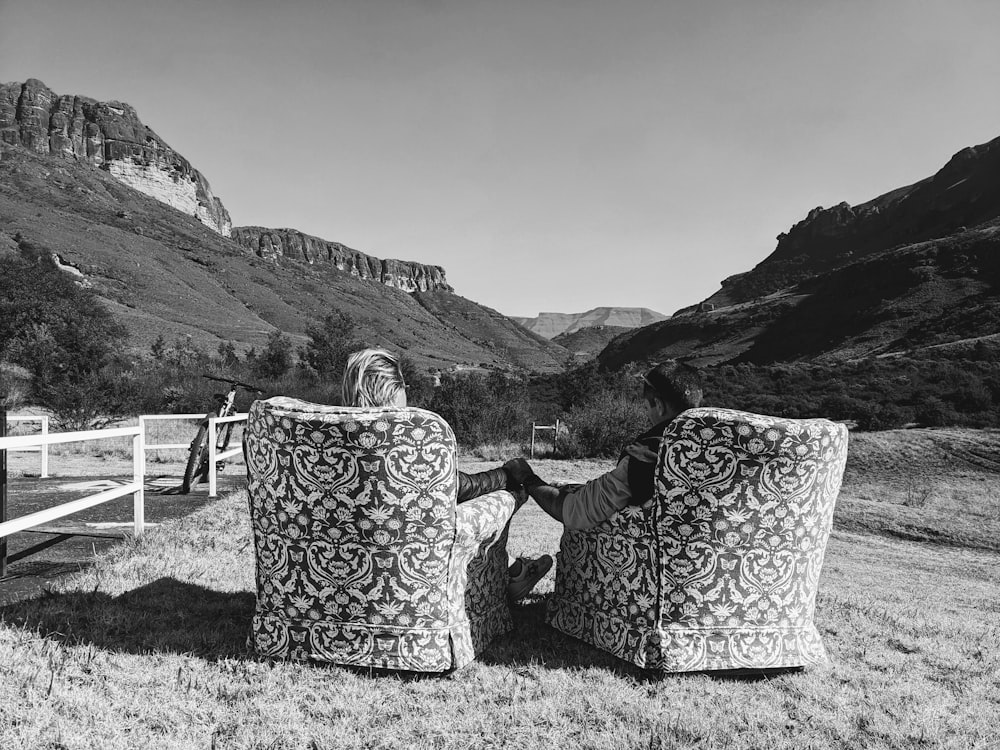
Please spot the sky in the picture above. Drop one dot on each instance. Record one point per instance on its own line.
(552, 155)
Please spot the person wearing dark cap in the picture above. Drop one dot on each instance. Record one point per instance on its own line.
(667, 390)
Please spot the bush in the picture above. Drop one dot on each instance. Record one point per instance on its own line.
(603, 426)
(483, 409)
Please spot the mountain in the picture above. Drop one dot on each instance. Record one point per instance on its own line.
(551, 324)
(916, 267)
(164, 270)
(275, 244)
(963, 193)
(108, 135)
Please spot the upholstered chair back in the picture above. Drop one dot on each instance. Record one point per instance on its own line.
(720, 569)
(354, 522)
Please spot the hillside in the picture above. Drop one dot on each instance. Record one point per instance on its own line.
(964, 193)
(110, 136)
(161, 271)
(917, 267)
(551, 324)
(587, 343)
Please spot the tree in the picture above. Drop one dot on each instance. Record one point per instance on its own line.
(61, 334)
(330, 343)
(276, 358)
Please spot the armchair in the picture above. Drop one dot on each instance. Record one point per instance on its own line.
(720, 569)
(363, 557)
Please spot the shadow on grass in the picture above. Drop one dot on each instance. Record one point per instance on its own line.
(534, 643)
(169, 616)
(165, 616)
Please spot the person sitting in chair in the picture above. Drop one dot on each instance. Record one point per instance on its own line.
(373, 377)
(667, 389)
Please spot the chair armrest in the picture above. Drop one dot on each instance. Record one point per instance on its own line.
(483, 518)
(611, 568)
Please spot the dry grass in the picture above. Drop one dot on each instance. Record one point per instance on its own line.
(146, 649)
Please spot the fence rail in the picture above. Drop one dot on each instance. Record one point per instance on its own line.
(42, 441)
(213, 455)
(134, 488)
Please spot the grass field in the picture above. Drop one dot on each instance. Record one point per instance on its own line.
(146, 647)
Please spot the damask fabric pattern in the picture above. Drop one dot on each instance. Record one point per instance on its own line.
(362, 558)
(721, 568)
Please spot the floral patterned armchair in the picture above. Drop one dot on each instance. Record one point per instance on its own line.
(720, 569)
(363, 557)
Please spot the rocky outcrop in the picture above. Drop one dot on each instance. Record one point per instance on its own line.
(964, 193)
(273, 244)
(108, 135)
(551, 324)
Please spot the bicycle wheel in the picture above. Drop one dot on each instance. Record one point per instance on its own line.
(197, 463)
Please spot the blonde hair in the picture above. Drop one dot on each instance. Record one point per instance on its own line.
(371, 378)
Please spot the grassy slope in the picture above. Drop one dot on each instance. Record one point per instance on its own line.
(147, 647)
(165, 273)
(587, 343)
(921, 295)
(493, 331)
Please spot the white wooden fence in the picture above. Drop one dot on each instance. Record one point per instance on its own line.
(213, 431)
(134, 488)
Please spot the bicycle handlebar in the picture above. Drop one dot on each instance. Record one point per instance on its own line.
(234, 383)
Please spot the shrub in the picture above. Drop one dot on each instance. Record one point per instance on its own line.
(602, 426)
(483, 409)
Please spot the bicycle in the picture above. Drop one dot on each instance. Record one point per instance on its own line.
(196, 469)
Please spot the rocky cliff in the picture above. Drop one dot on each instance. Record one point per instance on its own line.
(552, 324)
(964, 193)
(272, 244)
(917, 267)
(108, 135)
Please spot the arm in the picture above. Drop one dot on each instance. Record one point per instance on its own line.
(579, 506)
(481, 483)
(549, 498)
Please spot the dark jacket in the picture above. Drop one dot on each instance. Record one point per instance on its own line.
(640, 473)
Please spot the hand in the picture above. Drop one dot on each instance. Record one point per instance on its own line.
(641, 453)
(518, 470)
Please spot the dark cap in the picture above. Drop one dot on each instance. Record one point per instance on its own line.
(676, 383)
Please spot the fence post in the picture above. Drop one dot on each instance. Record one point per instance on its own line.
(142, 431)
(532, 453)
(212, 427)
(45, 448)
(3, 490)
(139, 477)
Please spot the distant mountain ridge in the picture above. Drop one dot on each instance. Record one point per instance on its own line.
(915, 267)
(552, 324)
(123, 212)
